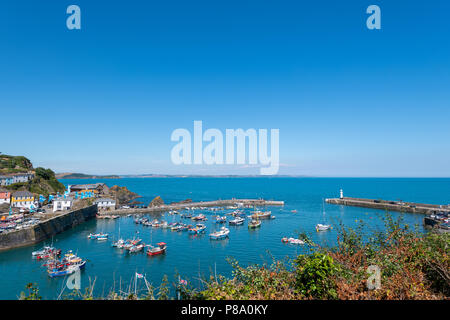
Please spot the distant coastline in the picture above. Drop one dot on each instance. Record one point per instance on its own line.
(68, 175)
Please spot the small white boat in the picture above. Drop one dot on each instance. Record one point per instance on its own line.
(322, 227)
(221, 234)
(236, 221)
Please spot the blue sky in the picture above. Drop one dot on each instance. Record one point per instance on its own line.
(348, 101)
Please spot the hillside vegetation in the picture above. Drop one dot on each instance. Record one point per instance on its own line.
(44, 181)
(14, 164)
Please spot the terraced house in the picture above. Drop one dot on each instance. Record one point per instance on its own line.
(22, 199)
(6, 180)
(5, 196)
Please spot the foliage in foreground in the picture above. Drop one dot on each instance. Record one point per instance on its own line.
(412, 265)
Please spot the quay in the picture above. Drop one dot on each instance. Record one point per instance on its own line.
(46, 228)
(399, 206)
(182, 206)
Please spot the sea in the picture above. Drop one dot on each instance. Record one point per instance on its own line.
(194, 258)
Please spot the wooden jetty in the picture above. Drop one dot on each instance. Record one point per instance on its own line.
(182, 206)
(399, 206)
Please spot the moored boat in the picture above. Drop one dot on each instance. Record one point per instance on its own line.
(156, 250)
(220, 219)
(322, 227)
(254, 224)
(200, 217)
(261, 215)
(221, 234)
(236, 221)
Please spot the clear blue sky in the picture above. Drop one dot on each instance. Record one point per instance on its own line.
(348, 101)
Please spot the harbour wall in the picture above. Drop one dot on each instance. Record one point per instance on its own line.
(181, 206)
(398, 206)
(46, 229)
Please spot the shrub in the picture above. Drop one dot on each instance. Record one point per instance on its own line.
(315, 275)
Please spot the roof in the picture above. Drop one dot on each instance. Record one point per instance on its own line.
(86, 186)
(104, 200)
(63, 199)
(22, 194)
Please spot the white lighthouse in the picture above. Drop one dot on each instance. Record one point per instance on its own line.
(341, 194)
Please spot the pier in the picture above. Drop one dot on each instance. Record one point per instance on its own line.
(182, 206)
(399, 206)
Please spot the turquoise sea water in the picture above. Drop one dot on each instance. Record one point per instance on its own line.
(193, 257)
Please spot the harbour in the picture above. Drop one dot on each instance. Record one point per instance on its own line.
(195, 255)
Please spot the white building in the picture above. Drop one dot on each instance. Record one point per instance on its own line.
(106, 203)
(62, 204)
(5, 196)
(22, 199)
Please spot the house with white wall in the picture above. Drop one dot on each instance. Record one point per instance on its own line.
(5, 196)
(62, 204)
(22, 199)
(105, 203)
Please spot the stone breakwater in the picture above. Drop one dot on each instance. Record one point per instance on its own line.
(46, 229)
(181, 206)
(399, 206)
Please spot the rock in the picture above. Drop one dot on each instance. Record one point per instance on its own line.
(122, 195)
(183, 201)
(156, 202)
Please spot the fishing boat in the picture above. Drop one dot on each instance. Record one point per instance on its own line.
(236, 221)
(292, 240)
(46, 252)
(261, 215)
(118, 244)
(322, 227)
(164, 225)
(102, 237)
(200, 217)
(199, 228)
(221, 234)
(173, 226)
(131, 243)
(65, 271)
(236, 213)
(220, 219)
(136, 248)
(294, 211)
(183, 227)
(254, 224)
(155, 223)
(156, 250)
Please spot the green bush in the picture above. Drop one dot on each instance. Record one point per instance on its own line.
(315, 276)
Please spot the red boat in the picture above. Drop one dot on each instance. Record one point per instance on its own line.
(160, 249)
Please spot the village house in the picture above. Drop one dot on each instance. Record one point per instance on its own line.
(6, 180)
(106, 203)
(5, 196)
(22, 199)
(22, 177)
(62, 204)
(95, 188)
